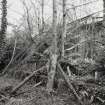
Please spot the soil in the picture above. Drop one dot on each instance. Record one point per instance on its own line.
(27, 95)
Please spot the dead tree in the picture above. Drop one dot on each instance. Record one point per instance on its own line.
(3, 27)
(53, 52)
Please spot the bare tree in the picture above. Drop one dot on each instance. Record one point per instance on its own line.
(30, 28)
(37, 15)
(53, 52)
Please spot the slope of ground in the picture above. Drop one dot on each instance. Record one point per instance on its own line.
(27, 95)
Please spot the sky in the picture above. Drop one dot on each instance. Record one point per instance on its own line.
(15, 8)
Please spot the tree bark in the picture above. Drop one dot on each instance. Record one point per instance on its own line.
(3, 27)
(64, 28)
(104, 10)
(42, 15)
(53, 52)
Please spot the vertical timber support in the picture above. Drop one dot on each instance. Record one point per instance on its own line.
(53, 52)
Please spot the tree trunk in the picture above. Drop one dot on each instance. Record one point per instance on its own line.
(42, 15)
(3, 27)
(64, 28)
(104, 13)
(104, 10)
(53, 52)
(62, 33)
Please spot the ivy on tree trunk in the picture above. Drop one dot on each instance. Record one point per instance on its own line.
(3, 27)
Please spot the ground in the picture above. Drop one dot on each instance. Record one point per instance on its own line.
(30, 95)
(27, 95)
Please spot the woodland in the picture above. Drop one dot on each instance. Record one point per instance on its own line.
(57, 62)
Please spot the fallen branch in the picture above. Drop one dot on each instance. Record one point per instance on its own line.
(37, 84)
(3, 98)
(70, 85)
(100, 99)
(86, 17)
(26, 80)
(84, 4)
(30, 90)
(81, 42)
